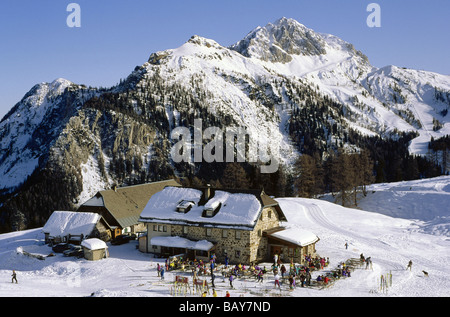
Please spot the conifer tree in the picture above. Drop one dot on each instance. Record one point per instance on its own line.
(235, 176)
(309, 172)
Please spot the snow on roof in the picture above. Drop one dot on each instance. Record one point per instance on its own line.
(179, 242)
(94, 244)
(237, 209)
(62, 223)
(96, 201)
(296, 236)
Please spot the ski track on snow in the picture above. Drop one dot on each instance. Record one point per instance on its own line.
(317, 216)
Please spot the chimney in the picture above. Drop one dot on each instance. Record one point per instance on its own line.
(207, 192)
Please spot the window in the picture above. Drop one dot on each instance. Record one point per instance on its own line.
(162, 228)
(291, 252)
(224, 233)
(269, 214)
(237, 253)
(209, 212)
(184, 206)
(155, 227)
(185, 229)
(238, 235)
(208, 232)
(259, 233)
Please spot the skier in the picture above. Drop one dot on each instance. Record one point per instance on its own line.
(260, 276)
(14, 277)
(346, 245)
(409, 265)
(231, 280)
(291, 282)
(302, 279)
(226, 261)
(308, 278)
(158, 268)
(283, 270)
(368, 263)
(277, 280)
(212, 279)
(162, 273)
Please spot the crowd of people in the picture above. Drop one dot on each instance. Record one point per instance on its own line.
(293, 273)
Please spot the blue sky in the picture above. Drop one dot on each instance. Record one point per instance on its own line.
(115, 36)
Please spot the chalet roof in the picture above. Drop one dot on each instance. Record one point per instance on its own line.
(125, 204)
(63, 223)
(296, 236)
(234, 208)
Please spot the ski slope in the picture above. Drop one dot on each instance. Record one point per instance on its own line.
(390, 240)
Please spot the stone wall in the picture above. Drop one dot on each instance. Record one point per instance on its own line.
(241, 245)
(296, 253)
(259, 246)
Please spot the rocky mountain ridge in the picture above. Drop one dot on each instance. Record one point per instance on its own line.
(294, 90)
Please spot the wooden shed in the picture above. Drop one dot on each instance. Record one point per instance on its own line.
(291, 244)
(94, 249)
(73, 227)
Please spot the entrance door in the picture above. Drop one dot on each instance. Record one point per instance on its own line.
(274, 249)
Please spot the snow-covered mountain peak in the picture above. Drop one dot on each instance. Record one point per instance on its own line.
(202, 41)
(194, 46)
(39, 95)
(287, 40)
(277, 41)
(60, 84)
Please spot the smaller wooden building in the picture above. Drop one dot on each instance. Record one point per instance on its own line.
(94, 249)
(291, 244)
(73, 227)
(122, 206)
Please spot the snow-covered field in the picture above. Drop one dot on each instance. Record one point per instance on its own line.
(404, 221)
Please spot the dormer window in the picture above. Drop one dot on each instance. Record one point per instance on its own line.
(210, 212)
(184, 206)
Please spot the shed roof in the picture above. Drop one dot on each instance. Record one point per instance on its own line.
(295, 236)
(94, 244)
(125, 204)
(63, 223)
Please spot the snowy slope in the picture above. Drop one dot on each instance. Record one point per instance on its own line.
(390, 241)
